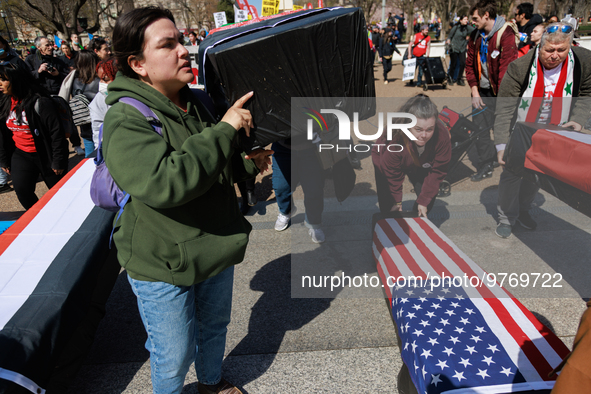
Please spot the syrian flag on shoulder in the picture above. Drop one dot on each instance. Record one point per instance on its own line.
(49, 261)
(472, 339)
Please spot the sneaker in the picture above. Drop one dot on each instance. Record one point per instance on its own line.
(223, 387)
(283, 220)
(485, 172)
(526, 221)
(317, 235)
(461, 82)
(79, 151)
(503, 230)
(5, 188)
(450, 82)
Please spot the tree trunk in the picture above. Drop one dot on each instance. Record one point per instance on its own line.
(410, 11)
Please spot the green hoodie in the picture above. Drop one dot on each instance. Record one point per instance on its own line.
(182, 224)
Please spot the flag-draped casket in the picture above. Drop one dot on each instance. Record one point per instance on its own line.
(49, 263)
(456, 338)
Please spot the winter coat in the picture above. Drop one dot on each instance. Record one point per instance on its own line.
(182, 224)
(49, 136)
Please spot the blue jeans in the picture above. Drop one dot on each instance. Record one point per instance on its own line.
(292, 167)
(88, 147)
(185, 324)
(420, 62)
(3, 177)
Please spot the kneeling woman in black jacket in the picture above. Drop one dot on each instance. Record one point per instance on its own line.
(33, 141)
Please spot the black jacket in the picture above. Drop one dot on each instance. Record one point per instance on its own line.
(535, 20)
(388, 47)
(49, 136)
(375, 39)
(49, 82)
(69, 62)
(17, 61)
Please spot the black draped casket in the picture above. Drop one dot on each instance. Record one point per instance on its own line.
(310, 53)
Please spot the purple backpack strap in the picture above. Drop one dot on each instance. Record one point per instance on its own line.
(146, 111)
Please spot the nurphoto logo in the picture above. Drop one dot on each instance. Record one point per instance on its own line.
(392, 120)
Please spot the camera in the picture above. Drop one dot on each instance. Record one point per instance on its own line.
(50, 68)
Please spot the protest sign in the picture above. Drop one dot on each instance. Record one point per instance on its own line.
(410, 66)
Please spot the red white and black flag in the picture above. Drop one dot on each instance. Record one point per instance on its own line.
(49, 261)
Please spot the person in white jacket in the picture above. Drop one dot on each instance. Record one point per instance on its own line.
(106, 71)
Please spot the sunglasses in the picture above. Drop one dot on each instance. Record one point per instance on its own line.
(563, 28)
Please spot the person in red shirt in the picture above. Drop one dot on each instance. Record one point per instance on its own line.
(33, 141)
(425, 161)
(419, 46)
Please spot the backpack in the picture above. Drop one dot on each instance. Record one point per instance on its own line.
(104, 192)
(80, 111)
(64, 113)
(501, 31)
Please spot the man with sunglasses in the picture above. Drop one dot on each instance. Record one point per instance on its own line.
(555, 71)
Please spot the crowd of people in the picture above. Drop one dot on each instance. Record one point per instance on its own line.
(182, 180)
(525, 58)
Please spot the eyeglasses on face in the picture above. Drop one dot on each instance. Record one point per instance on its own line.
(563, 28)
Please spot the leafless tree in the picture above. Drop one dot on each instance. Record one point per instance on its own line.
(444, 10)
(581, 8)
(196, 13)
(561, 7)
(63, 16)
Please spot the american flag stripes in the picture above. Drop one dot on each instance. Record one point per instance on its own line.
(470, 339)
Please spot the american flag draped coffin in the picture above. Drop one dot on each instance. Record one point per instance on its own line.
(465, 339)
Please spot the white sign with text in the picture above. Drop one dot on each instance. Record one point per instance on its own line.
(410, 66)
(220, 19)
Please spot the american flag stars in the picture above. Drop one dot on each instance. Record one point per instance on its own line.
(448, 345)
(474, 339)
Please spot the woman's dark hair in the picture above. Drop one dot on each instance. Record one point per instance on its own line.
(96, 43)
(5, 43)
(129, 32)
(386, 37)
(86, 66)
(24, 89)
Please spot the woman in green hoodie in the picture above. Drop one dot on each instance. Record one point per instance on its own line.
(182, 232)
